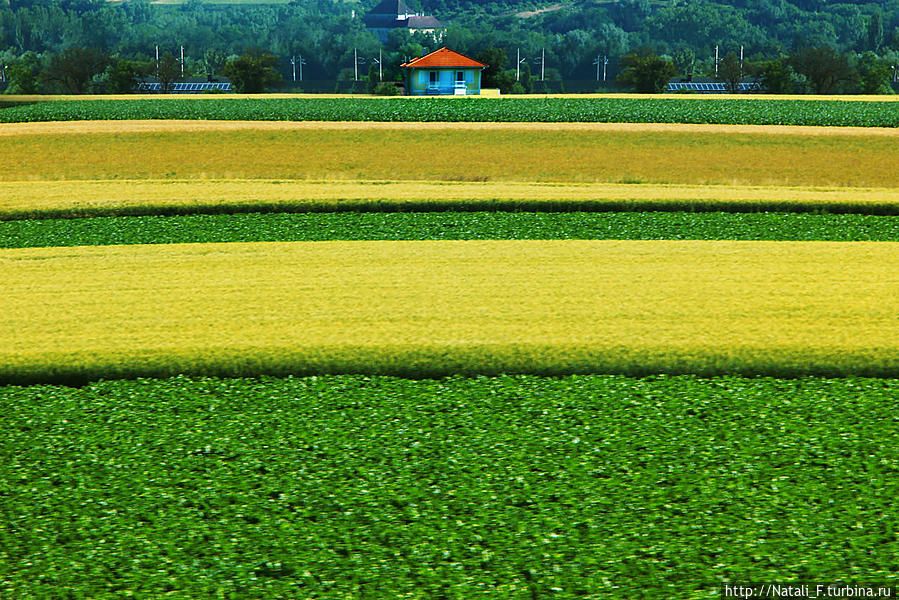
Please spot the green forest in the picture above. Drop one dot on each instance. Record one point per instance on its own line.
(794, 46)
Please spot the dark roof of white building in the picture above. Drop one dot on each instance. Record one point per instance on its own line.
(423, 22)
(392, 7)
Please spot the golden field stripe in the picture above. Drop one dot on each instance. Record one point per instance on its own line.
(443, 307)
(684, 155)
(37, 199)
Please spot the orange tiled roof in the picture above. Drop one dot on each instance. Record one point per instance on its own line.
(442, 58)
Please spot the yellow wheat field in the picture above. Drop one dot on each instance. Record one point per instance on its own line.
(430, 308)
(579, 153)
(34, 199)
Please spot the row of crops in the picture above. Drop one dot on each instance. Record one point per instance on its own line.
(595, 487)
(261, 227)
(601, 110)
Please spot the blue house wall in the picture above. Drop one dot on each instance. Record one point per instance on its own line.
(443, 81)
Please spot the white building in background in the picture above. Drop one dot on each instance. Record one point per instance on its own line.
(396, 14)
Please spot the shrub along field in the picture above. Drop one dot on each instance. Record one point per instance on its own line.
(495, 152)
(504, 488)
(604, 110)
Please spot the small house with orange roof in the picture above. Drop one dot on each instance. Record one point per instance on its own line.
(443, 72)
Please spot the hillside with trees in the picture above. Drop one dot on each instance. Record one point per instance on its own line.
(78, 46)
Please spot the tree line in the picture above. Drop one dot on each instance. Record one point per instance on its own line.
(808, 70)
(791, 45)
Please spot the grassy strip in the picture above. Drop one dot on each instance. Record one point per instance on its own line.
(437, 308)
(496, 488)
(255, 227)
(611, 109)
(500, 154)
(76, 199)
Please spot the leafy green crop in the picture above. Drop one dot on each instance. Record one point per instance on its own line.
(255, 227)
(623, 110)
(505, 487)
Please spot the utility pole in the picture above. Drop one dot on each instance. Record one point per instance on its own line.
(716, 60)
(518, 62)
(297, 61)
(603, 61)
(182, 62)
(542, 63)
(378, 60)
(356, 62)
(157, 61)
(741, 61)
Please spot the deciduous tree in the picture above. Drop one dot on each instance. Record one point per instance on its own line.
(168, 72)
(495, 75)
(874, 74)
(875, 31)
(122, 76)
(730, 71)
(776, 76)
(23, 74)
(253, 72)
(213, 63)
(685, 62)
(74, 69)
(645, 72)
(824, 68)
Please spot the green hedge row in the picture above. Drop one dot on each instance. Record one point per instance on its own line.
(627, 110)
(256, 227)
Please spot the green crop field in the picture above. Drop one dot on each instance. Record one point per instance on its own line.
(262, 227)
(507, 488)
(868, 113)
